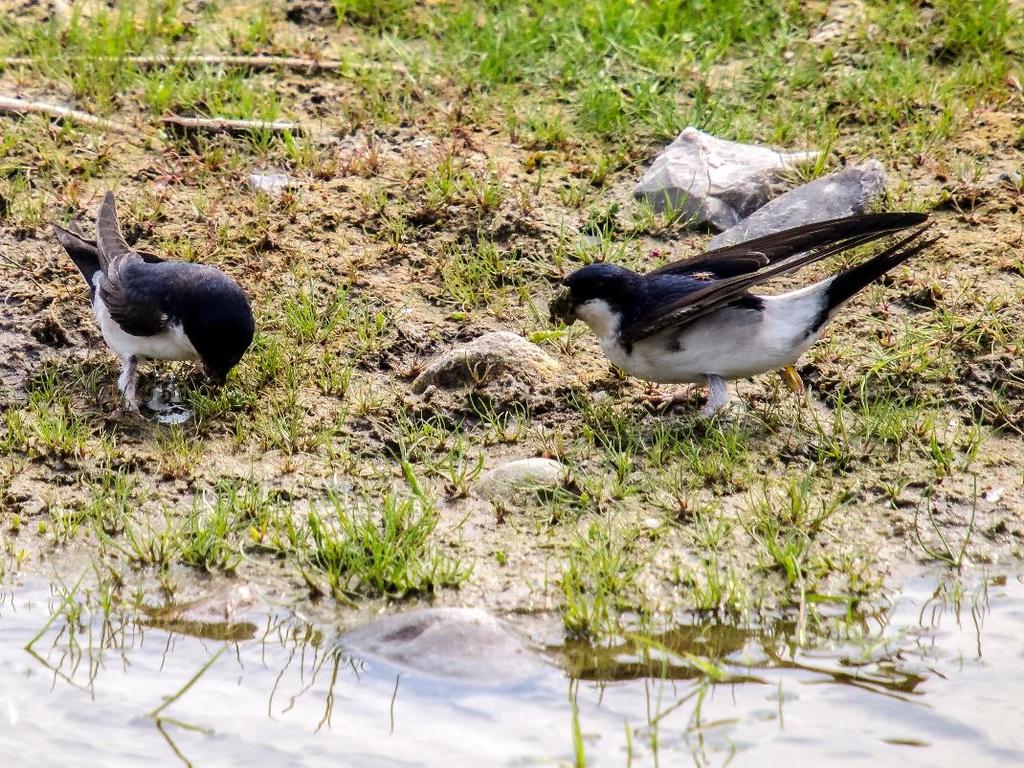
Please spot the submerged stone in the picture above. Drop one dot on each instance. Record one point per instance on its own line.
(460, 643)
(215, 615)
(521, 475)
(844, 193)
(485, 359)
(714, 181)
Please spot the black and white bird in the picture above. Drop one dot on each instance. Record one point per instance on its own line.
(147, 307)
(696, 321)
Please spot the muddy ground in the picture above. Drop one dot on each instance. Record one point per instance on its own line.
(420, 220)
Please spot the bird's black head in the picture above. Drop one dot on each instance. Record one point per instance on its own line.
(227, 337)
(216, 316)
(617, 286)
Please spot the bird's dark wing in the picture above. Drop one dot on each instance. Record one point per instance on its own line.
(109, 240)
(123, 286)
(715, 293)
(130, 303)
(752, 255)
(83, 252)
(72, 237)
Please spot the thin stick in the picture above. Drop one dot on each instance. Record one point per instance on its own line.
(14, 106)
(262, 63)
(171, 743)
(224, 125)
(249, 62)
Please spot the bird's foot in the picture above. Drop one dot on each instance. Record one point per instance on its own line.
(792, 380)
(663, 401)
(718, 396)
(128, 409)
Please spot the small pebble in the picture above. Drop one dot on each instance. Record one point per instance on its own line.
(271, 183)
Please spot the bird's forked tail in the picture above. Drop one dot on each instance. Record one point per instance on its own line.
(844, 285)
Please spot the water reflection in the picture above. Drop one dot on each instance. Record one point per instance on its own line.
(935, 678)
(731, 653)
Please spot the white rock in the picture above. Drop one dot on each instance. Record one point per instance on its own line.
(271, 183)
(844, 193)
(714, 181)
(521, 474)
(485, 358)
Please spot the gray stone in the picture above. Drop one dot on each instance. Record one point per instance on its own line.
(845, 193)
(521, 474)
(460, 643)
(271, 183)
(714, 181)
(486, 358)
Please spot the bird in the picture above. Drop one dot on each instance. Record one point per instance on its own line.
(149, 307)
(697, 321)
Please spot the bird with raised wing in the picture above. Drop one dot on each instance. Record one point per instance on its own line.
(148, 307)
(697, 321)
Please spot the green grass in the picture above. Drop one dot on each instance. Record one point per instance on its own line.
(599, 580)
(386, 552)
(113, 499)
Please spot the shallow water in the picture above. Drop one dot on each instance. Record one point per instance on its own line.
(938, 679)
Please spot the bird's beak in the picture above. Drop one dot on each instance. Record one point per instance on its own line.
(561, 307)
(216, 377)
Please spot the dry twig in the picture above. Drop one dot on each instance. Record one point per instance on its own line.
(262, 63)
(14, 106)
(224, 125)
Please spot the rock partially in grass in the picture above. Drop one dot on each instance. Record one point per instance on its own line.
(273, 184)
(845, 193)
(521, 475)
(713, 181)
(459, 643)
(485, 359)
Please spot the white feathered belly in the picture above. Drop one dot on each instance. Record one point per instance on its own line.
(169, 344)
(733, 342)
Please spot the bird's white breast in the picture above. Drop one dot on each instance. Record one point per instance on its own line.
(599, 315)
(732, 342)
(169, 344)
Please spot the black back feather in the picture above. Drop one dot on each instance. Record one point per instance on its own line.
(785, 252)
(752, 255)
